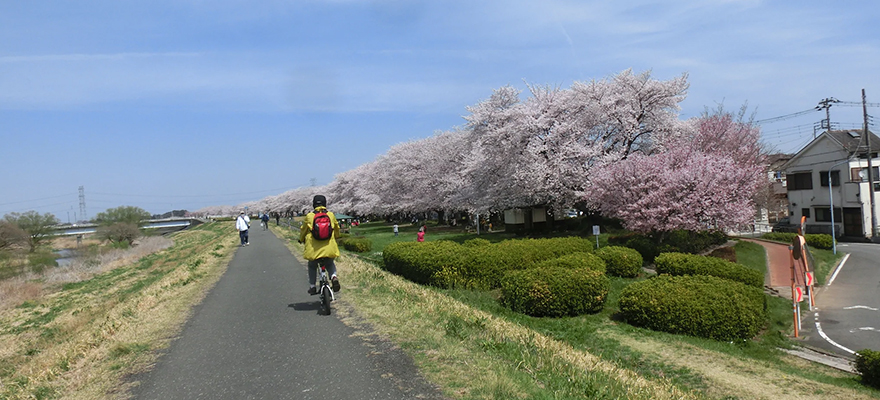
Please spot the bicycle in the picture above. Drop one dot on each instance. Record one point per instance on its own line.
(324, 288)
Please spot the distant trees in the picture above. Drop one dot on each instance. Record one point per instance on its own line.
(11, 234)
(36, 227)
(121, 224)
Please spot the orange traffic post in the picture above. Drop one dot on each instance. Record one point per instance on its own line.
(793, 296)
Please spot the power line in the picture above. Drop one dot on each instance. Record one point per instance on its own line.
(33, 200)
(787, 116)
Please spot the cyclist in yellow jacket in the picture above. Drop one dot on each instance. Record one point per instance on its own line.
(320, 249)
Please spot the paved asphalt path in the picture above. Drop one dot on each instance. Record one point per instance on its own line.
(848, 309)
(258, 335)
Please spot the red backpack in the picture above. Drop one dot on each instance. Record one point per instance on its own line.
(322, 227)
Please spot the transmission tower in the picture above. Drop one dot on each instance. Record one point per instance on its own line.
(82, 203)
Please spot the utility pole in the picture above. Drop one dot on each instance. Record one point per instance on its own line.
(826, 104)
(870, 168)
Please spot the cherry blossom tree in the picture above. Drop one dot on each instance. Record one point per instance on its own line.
(616, 144)
(705, 180)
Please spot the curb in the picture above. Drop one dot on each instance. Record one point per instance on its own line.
(821, 357)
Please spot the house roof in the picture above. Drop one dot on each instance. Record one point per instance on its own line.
(849, 141)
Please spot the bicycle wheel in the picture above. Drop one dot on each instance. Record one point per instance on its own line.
(326, 296)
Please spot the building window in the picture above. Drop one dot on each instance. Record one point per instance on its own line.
(800, 181)
(805, 212)
(823, 215)
(835, 178)
(861, 174)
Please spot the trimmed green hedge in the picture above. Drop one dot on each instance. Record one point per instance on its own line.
(680, 241)
(621, 261)
(575, 261)
(691, 264)
(421, 262)
(357, 244)
(702, 306)
(815, 240)
(476, 265)
(477, 242)
(868, 365)
(554, 291)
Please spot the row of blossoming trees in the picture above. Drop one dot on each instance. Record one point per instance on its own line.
(615, 145)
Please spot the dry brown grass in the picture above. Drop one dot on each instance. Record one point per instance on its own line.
(81, 342)
(70, 242)
(31, 286)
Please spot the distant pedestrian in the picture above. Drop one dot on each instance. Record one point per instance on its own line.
(243, 223)
(265, 219)
(277, 219)
(420, 237)
(395, 230)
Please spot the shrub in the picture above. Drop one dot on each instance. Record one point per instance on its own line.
(621, 261)
(39, 260)
(815, 240)
(450, 264)
(555, 291)
(118, 232)
(690, 264)
(702, 306)
(819, 241)
(357, 244)
(477, 242)
(644, 246)
(786, 237)
(680, 241)
(420, 262)
(868, 365)
(575, 261)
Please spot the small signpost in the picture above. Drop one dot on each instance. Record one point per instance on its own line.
(596, 234)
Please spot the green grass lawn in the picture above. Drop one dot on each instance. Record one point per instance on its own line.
(658, 357)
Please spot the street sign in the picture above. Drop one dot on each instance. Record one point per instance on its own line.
(799, 292)
(809, 278)
(595, 230)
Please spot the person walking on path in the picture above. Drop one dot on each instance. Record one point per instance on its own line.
(319, 232)
(395, 229)
(265, 219)
(243, 223)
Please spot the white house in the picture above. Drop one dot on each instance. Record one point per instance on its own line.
(843, 153)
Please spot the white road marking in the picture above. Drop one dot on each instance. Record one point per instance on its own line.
(867, 328)
(824, 336)
(861, 307)
(837, 270)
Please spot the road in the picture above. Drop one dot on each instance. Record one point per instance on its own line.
(258, 335)
(847, 316)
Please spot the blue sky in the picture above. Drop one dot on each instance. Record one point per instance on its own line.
(189, 103)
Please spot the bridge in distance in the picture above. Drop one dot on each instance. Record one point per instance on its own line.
(163, 225)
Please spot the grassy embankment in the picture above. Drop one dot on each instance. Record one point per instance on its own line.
(88, 327)
(468, 344)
